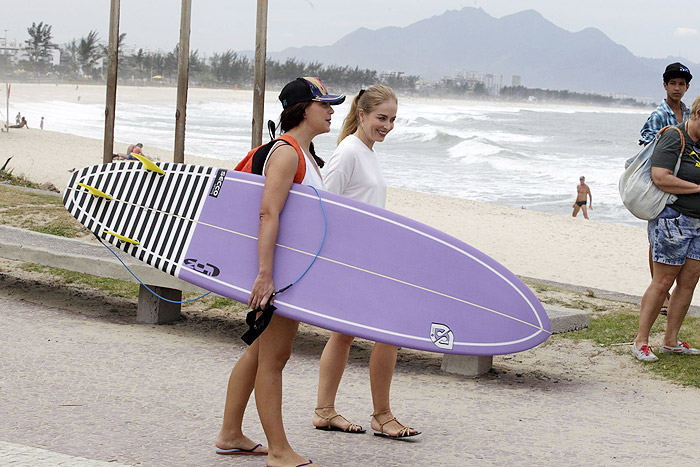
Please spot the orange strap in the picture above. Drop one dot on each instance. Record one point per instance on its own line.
(246, 165)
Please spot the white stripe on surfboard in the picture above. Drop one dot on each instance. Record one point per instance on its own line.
(359, 325)
(414, 230)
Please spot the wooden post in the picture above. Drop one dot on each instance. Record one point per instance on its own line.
(183, 71)
(259, 85)
(111, 101)
(152, 309)
(7, 105)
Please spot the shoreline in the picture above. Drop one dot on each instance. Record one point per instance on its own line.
(89, 93)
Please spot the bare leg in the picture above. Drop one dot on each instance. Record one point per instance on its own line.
(585, 211)
(240, 386)
(576, 209)
(680, 300)
(333, 360)
(664, 275)
(381, 371)
(275, 349)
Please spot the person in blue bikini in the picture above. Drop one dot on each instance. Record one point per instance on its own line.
(306, 114)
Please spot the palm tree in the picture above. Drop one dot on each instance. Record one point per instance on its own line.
(38, 46)
(89, 52)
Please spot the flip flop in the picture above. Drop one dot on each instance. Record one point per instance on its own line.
(242, 452)
(302, 465)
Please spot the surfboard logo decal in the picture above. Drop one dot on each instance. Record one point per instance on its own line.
(218, 183)
(204, 268)
(441, 335)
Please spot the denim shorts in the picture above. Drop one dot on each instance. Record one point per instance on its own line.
(674, 237)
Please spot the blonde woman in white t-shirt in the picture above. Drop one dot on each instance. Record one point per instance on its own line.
(353, 171)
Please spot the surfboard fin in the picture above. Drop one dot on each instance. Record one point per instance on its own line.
(148, 164)
(95, 192)
(122, 237)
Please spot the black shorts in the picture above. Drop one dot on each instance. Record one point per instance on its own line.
(581, 203)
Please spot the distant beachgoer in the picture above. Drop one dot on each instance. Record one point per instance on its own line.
(583, 194)
(675, 239)
(307, 111)
(353, 171)
(672, 111)
(21, 124)
(41, 125)
(18, 118)
(130, 151)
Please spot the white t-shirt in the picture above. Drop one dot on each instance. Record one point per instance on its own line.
(311, 177)
(353, 171)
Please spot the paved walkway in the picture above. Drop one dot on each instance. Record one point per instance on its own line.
(127, 394)
(17, 455)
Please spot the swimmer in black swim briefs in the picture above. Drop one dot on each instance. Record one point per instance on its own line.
(583, 194)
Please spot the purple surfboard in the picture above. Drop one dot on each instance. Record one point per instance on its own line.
(379, 275)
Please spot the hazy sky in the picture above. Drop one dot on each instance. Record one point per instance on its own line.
(647, 28)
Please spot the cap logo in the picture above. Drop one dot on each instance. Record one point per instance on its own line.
(317, 87)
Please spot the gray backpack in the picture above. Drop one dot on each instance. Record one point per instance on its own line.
(638, 192)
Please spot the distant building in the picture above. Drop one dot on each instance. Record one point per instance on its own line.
(492, 82)
(515, 81)
(11, 49)
(388, 74)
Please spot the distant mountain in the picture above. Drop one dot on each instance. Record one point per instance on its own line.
(524, 43)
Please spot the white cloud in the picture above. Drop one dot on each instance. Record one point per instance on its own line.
(686, 32)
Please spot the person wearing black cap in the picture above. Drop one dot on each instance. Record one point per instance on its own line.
(306, 114)
(672, 110)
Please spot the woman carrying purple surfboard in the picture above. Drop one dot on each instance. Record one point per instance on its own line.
(353, 171)
(306, 114)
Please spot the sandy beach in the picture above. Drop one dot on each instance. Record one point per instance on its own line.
(593, 254)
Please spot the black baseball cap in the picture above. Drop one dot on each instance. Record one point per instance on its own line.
(308, 89)
(677, 70)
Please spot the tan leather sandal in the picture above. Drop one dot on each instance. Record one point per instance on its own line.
(404, 432)
(351, 428)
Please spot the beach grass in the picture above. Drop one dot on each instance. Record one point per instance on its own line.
(8, 177)
(112, 287)
(38, 212)
(618, 326)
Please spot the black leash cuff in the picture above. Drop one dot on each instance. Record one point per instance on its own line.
(257, 324)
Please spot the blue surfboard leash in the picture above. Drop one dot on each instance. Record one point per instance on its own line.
(323, 240)
(141, 282)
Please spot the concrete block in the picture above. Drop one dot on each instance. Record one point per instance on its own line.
(153, 310)
(566, 319)
(467, 365)
(562, 319)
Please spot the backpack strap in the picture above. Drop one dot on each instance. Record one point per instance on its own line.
(254, 161)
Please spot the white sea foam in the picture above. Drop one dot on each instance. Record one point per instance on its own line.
(528, 156)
